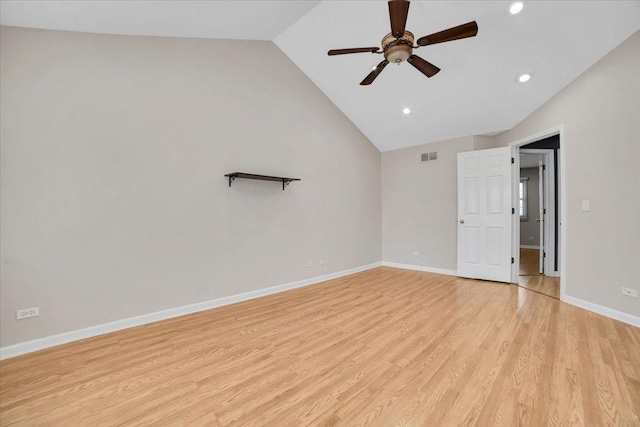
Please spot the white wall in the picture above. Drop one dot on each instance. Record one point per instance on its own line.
(114, 203)
(600, 112)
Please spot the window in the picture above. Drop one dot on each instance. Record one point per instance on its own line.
(522, 192)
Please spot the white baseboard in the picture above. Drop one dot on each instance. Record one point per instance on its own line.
(529, 247)
(605, 311)
(92, 331)
(420, 268)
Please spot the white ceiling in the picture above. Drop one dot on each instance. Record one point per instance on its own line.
(475, 93)
(247, 20)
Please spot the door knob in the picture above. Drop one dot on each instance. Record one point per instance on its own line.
(462, 221)
(537, 219)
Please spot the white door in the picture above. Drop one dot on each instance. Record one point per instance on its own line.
(484, 214)
(541, 218)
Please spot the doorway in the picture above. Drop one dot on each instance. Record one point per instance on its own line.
(537, 225)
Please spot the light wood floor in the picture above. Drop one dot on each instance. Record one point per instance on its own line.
(383, 347)
(530, 277)
(529, 262)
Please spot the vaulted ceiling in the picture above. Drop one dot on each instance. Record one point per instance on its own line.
(243, 20)
(475, 93)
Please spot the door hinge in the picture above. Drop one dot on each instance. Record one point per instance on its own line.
(544, 211)
(544, 254)
(513, 160)
(513, 260)
(513, 211)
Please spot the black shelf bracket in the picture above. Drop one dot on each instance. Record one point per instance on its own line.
(231, 179)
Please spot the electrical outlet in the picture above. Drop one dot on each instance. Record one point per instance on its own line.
(27, 312)
(309, 264)
(416, 253)
(323, 261)
(630, 292)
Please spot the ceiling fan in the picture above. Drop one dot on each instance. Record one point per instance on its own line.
(397, 46)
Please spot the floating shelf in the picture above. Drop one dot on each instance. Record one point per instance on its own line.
(284, 180)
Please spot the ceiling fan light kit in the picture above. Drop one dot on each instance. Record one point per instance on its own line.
(397, 50)
(398, 45)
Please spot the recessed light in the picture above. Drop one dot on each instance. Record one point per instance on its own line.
(515, 7)
(406, 111)
(523, 78)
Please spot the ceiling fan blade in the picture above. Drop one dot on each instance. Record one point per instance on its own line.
(470, 29)
(426, 68)
(398, 11)
(372, 75)
(352, 50)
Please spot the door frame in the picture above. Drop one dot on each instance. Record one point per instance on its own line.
(549, 244)
(515, 246)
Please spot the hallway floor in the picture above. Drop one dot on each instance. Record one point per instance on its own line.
(531, 279)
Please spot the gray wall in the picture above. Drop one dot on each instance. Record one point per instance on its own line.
(485, 142)
(113, 153)
(600, 112)
(529, 228)
(420, 204)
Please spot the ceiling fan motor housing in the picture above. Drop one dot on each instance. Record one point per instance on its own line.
(397, 50)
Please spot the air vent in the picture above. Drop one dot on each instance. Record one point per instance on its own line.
(429, 157)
